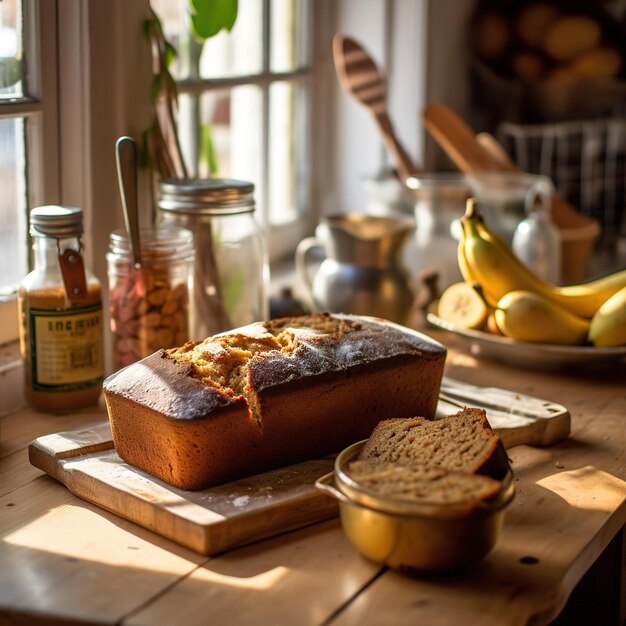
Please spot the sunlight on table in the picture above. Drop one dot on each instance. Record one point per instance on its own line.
(587, 488)
(259, 582)
(75, 531)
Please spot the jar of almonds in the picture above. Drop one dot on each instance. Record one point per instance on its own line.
(149, 306)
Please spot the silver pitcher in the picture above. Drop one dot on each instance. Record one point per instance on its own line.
(362, 272)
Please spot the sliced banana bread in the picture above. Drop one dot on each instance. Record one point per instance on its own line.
(417, 483)
(462, 442)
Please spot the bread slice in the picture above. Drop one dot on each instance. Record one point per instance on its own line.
(462, 442)
(420, 484)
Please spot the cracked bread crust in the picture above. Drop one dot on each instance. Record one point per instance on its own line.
(268, 394)
(354, 344)
(168, 387)
(285, 350)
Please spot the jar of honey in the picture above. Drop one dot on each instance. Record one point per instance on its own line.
(60, 309)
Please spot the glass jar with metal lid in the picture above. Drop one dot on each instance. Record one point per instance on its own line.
(60, 309)
(231, 269)
(149, 306)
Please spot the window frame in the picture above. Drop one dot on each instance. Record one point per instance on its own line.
(40, 110)
(69, 156)
(281, 238)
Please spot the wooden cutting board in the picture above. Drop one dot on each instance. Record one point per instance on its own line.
(519, 419)
(221, 518)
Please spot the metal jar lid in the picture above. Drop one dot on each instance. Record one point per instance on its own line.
(56, 221)
(207, 196)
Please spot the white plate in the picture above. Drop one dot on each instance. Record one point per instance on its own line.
(531, 355)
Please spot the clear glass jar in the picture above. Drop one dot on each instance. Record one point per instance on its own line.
(231, 269)
(60, 309)
(149, 307)
(439, 203)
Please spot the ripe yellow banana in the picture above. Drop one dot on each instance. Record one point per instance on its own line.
(464, 267)
(491, 262)
(598, 291)
(608, 325)
(528, 316)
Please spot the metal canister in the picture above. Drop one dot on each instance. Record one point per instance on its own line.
(231, 267)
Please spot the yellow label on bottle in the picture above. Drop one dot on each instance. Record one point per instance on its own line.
(66, 348)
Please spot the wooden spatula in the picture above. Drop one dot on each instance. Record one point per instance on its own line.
(474, 154)
(459, 141)
(495, 150)
(360, 77)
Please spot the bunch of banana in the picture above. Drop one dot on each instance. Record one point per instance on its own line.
(527, 308)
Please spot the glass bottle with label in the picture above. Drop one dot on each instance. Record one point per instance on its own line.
(60, 308)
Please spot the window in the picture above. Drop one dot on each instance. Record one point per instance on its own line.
(244, 105)
(28, 132)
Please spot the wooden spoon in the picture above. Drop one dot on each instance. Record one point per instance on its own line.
(360, 77)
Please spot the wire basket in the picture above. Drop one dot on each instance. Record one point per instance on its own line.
(585, 159)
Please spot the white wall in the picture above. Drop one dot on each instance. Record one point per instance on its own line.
(356, 148)
(356, 151)
(420, 46)
(447, 65)
(408, 77)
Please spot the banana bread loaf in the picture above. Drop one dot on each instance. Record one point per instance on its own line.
(267, 395)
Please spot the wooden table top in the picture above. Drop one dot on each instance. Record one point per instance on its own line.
(65, 559)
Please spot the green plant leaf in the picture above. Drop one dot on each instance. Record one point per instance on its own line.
(208, 17)
(148, 25)
(155, 87)
(145, 154)
(10, 71)
(208, 153)
(170, 53)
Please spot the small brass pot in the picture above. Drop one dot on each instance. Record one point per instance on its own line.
(412, 536)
